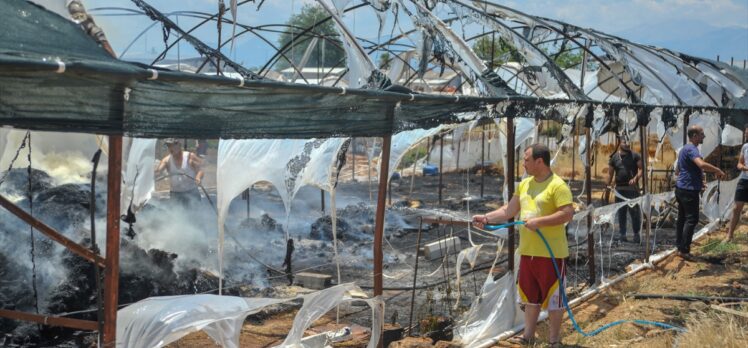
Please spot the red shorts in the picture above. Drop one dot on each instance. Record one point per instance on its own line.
(537, 282)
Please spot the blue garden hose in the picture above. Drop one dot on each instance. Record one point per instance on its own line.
(566, 301)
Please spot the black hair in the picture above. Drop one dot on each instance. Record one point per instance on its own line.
(693, 131)
(541, 151)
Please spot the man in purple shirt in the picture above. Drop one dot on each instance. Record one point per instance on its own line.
(688, 186)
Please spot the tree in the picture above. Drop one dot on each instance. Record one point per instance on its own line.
(309, 15)
(568, 59)
(502, 51)
(385, 60)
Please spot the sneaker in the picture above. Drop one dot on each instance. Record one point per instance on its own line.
(687, 256)
(637, 240)
(621, 238)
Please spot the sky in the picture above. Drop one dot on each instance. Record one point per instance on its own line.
(697, 27)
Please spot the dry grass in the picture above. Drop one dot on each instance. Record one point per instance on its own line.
(715, 329)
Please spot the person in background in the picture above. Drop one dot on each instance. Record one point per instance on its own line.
(741, 192)
(202, 148)
(544, 202)
(625, 166)
(185, 173)
(688, 186)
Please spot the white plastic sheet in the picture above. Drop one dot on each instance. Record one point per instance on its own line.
(718, 199)
(404, 141)
(360, 66)
(287, 164)
(494, 312)
(158, 321)
(138, 181)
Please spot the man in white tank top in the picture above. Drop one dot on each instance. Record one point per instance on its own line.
(185, 172)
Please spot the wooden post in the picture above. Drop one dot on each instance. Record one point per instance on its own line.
(379, 217)
(322, 200)
(457, 162)
(353, 159)
(482, 159)
(509, 182)
(441, 166)
(645, 187)
(574, 141)
(588, 185)
(111, 272)
(415, 277)
(51, 233)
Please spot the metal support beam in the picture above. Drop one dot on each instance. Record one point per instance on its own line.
(51, 233)
(588, 185)
(509, 182)
(70, 323)
(111, 272)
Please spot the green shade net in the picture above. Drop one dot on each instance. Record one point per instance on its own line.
(99, 94)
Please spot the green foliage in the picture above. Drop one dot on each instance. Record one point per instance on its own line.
(495, 51)
(717, 247)
(568, 59)
(385, 60)
(553, 130)
(309, 15)
(412, 156)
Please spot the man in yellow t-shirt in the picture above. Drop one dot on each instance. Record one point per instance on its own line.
(543, 201)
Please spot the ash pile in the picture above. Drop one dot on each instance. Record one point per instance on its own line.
(59, 282)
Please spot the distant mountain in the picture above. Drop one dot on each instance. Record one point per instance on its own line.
(693, 37)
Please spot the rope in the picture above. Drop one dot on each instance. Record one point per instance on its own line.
(31, 228)
(566, 301)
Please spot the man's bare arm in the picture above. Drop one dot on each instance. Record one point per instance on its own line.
(708, 167)
(502, 214)
(197, 164)
(162, 165)
(563, 215)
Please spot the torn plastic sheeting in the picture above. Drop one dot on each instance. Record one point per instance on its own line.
(731, 136)
(404, 141)
(138, 177)
(321, 302)
(158, 321)
(470, 255)
(285, 163)
(607, 213)
(552, 79)
(494, 312)
(717, 200)
(710, 122)
(468, 158)
(360, 66)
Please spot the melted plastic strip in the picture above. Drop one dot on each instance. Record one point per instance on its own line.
(138, 181)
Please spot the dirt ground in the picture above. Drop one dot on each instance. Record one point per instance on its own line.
(719, 273)
(718, 270)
